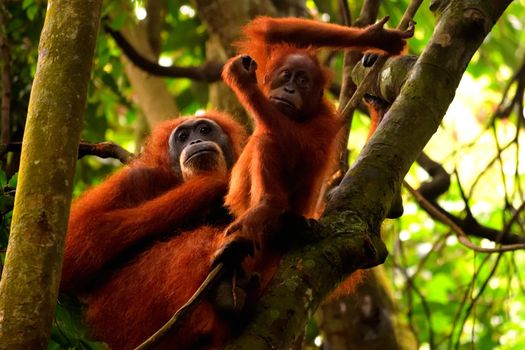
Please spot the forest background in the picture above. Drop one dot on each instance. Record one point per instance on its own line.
(434, 291)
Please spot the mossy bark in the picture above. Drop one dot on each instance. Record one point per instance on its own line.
(31, 275)
(390, 79)
(349, 231)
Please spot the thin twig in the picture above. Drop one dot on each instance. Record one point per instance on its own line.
(476, 298)
(175, 321)
(466, 295)
(462, 236)
(410, 285)
(100, 149)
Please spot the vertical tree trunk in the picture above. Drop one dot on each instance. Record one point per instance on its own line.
(151, 93)
(366, 319)
(31, 275)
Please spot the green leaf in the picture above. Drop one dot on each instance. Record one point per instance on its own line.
(32, 12)
(118, 21)
(3, 179)
(68, 331)
(27, 3)
(6, 203)
(13, 181)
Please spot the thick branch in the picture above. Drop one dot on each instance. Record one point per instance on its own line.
(350, 226)
(394, 73)
(306, 276)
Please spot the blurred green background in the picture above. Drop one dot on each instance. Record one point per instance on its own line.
(451, 297)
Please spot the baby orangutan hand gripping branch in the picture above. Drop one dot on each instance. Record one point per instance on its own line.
(280, 81)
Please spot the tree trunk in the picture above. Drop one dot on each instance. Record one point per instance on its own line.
(367, 319)
(31, 275)
(347, 237)
(151, 93)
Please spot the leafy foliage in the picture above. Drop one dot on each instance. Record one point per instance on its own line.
(453, 297)
(68, 331)
(7, 189)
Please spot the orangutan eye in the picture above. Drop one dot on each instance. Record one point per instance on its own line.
(303, 81)
(285, 74)
(205, 129)
(182, 136)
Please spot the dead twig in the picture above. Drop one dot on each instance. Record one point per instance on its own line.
(175, 321)
(462, 236)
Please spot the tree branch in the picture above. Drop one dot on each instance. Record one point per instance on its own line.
(397, 69)
(367, 16)
(348, 232)
(208, 72)
(85, 148)
(373, 72)
(446, 218)
(430, 191)
(329, 251)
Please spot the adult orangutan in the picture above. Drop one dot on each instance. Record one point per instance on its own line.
(147, 280)
(140, 243)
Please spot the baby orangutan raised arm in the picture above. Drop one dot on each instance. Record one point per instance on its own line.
(279, 80)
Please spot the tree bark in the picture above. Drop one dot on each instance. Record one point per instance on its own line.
(31, 275)
(366, 319)
(348, 235)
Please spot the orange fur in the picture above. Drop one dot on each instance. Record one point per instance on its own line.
(140, 297)
(281, 169)
(140, 201)
(267, 37)
(304, 32)
(286, 160)
(377, 109)
(131, 293)
(375, 119)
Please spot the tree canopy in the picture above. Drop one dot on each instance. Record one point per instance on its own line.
(453, 277)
